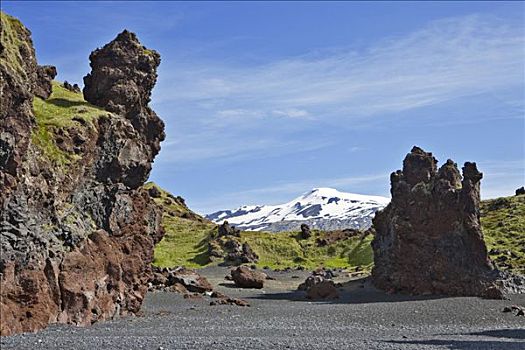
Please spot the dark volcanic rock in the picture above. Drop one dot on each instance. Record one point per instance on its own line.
(520, 191)
(319, 285)
(232, 251)
(122, 76)
(190, 280)
(45, 75)
(305, 231)
(429, 237)
(226, 230)
(76, 246)
(18, 76)
(72, 88)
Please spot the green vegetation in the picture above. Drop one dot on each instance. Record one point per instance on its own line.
(503, 222)
(63, 110)
(11, 38)
(186, 243)
(186, 240)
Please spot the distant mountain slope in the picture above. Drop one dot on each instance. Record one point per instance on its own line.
(320, 208)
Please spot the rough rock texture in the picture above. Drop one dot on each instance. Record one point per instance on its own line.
(325, 289)
(73, 88)
(331, 237)
(429, 239)
(18, 75)
(319, 285)
(45, 75)
(226, 230)
(122, 77)
(190, 280)
(231, 251)
(77, 233)
(244, 277)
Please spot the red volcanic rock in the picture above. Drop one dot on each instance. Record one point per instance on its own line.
(429, 238)
(77, 239)
(325, 289)
(244, 277)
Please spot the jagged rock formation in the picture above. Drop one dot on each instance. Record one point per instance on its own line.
(77, 229)
(520, 191)
(226, 230)
(45, 75)
(429, 238)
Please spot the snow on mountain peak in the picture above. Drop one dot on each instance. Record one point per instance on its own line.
(323, 207)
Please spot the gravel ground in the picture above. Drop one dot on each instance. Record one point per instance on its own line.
(280, 318)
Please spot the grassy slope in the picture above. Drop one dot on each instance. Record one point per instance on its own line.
(12, 43)
(185, 242)
(503, 222)
(64, 109)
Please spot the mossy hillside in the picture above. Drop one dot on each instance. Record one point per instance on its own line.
(171, 205)
(186, 243)
(14, 41)
(503, 223)
(63, 110)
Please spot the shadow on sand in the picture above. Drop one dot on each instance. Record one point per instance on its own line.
(358, 291)
(475, 344)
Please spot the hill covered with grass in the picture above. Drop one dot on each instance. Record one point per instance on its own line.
(503, 222)
(187, 237)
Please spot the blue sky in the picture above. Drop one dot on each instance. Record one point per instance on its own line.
(264, 101)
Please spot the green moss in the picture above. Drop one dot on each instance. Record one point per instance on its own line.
(42, 138)
(64, 109)
(185, 243)
(14, 40)
(503, 223)
(148, 52)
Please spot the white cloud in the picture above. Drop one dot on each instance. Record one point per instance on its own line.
(447, 60)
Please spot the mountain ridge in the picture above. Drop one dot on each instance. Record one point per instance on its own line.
(321, 208)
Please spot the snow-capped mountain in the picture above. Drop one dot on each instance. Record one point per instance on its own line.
(321, 208)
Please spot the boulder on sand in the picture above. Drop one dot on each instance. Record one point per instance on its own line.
(244, 277)
(319, 285)
(325, 289)
(190, 280)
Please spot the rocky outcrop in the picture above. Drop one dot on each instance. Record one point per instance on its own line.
(77, 230)
(233, 252)
(43, 86)
(18, 75)
(429, 240)
(305, 231)
(244, 277)
(227, 230)
(72, 88)
(319, 285)
(122, 76)
(520, 191)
